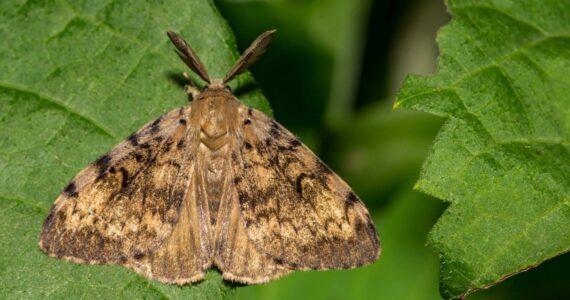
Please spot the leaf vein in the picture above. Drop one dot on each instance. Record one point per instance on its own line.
(59, 104)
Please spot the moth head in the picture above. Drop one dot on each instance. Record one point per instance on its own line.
(246, 60)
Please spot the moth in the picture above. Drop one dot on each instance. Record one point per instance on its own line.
(211, 184)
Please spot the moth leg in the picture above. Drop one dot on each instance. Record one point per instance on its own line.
(190, 88)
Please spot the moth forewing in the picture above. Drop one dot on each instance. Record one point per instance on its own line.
(296, 209)
(213, 183)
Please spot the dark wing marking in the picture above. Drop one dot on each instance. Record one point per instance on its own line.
(188, 56)
(125, 206)
(184, 256)
(295, 209)
(250, 55)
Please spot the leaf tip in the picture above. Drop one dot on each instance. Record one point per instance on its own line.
(417, 186)
(396, 104)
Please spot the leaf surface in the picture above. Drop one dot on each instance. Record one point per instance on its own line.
(502, 159)
(78, 77)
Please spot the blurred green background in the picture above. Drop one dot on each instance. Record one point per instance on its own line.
(332, 75)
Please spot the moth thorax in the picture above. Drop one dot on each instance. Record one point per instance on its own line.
(213, 124)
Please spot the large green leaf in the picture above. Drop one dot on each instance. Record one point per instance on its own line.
(503, 157)
(76, 78)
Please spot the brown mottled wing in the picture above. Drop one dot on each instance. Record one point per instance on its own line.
(235, 254)
(130, 205)
(295, 209)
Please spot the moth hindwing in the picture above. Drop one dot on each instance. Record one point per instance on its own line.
(213, 183)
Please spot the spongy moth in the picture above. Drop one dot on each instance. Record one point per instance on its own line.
(211, 184)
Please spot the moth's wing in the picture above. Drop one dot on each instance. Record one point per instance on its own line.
(184, 256)
(127, 206)
(295, 209)
(235, 254)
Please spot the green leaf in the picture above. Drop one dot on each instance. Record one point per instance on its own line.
(502, 158)
(77, 77)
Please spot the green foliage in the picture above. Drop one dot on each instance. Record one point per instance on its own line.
(502, 158)
(76, 78)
